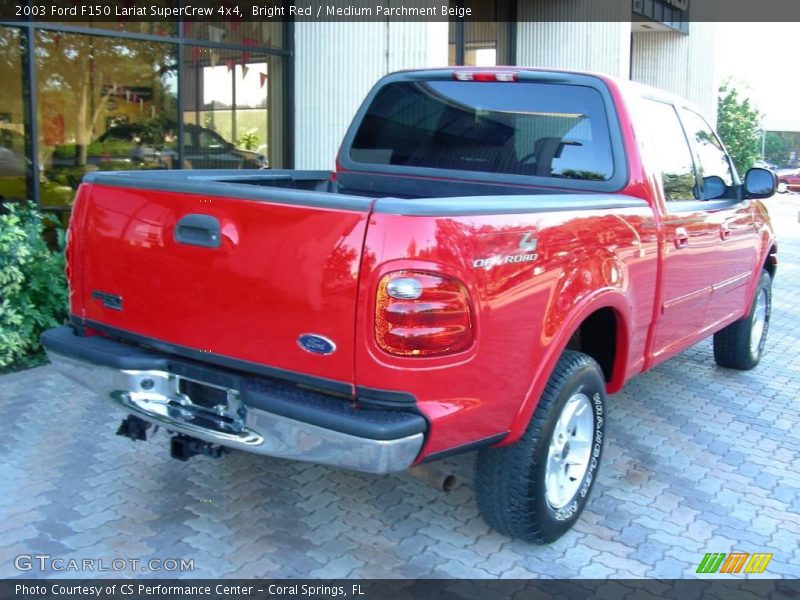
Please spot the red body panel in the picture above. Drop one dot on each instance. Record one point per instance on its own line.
(280, 272)
(520, 309)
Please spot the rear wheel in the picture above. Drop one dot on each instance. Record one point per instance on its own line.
(741, 344)
(536, 488)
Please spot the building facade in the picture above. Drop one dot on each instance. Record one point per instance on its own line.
(89, 96)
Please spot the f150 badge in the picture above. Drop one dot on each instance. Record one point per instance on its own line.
(527, 245)
(108, 300)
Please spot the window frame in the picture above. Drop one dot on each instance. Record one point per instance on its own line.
(736, 186)
(671, 203)
(693, 205)
(621, 169)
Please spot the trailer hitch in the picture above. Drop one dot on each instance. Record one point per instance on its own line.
(134, 428)
(184, 447)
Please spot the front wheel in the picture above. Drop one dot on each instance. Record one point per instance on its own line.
(741, 344)
(536, 488)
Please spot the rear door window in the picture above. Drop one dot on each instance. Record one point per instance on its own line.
(523, 128)
(670, 151)
(715, 168)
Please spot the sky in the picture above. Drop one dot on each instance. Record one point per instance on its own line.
(763, 59)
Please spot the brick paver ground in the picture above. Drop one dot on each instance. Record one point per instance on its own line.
(699, 459)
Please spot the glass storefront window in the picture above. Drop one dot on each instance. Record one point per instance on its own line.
(162, 28)
(105, 17)
(108, 99)
(13, 163)
(264, 34)
(104, 103)
(233, 109)
(482, 43)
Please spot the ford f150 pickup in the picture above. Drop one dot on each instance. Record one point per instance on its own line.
(496, 251)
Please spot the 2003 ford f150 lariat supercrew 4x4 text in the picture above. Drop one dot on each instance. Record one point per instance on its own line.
(495, 252)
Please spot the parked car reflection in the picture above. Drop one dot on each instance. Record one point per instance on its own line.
(14, 168)
(203, 148)
(137, 145)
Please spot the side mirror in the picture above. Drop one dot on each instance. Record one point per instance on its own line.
(759, 183)
(713, 187)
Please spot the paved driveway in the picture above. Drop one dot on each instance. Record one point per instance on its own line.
(699, 459)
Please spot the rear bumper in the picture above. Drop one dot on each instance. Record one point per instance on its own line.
(248, 413)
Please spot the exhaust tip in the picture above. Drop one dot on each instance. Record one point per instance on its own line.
(449, 483)
(436, 478)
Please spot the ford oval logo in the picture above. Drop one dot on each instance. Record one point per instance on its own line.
(316, 344)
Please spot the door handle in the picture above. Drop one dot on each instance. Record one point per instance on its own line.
(724, 231)
(681, 237)
(198, 230)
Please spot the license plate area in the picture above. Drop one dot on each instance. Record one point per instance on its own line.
(200, 394)
(206, 405)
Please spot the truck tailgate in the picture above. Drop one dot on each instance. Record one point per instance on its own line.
(225, 275)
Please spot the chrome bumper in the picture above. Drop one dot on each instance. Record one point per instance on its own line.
(155, 396)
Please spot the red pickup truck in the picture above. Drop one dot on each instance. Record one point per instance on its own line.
(496, 251)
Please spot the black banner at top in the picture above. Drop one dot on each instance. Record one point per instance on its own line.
(81, 11)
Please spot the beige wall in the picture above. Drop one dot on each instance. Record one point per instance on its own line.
(571, 35)
(681, 64)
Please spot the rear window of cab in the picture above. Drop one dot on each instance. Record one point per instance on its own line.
(525, 128)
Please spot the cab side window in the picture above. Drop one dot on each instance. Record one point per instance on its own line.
(714, 165)
(670, 150)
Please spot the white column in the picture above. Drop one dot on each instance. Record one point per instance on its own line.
(336, 64)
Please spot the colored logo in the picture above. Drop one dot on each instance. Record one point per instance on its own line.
(734, 562)
(316, 344)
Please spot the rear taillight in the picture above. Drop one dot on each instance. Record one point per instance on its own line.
(422, 314)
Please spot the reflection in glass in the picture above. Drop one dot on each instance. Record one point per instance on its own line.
(525, 128)
(104, 103)
(263, 33)
(162, 28)
(671, 150)
(713, 158)
(13, 163)
(233, 109)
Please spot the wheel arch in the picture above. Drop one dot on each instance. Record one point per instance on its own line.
(598, 325)
(770, 263)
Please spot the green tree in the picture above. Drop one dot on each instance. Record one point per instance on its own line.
(738, 126)
(776, 150)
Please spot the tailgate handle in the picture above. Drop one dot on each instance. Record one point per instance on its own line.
(198, 230)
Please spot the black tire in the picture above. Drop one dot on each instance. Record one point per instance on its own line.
(510, 481)
(732, 347)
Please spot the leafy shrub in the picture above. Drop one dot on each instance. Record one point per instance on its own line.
(248, 140)
(33, 288)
